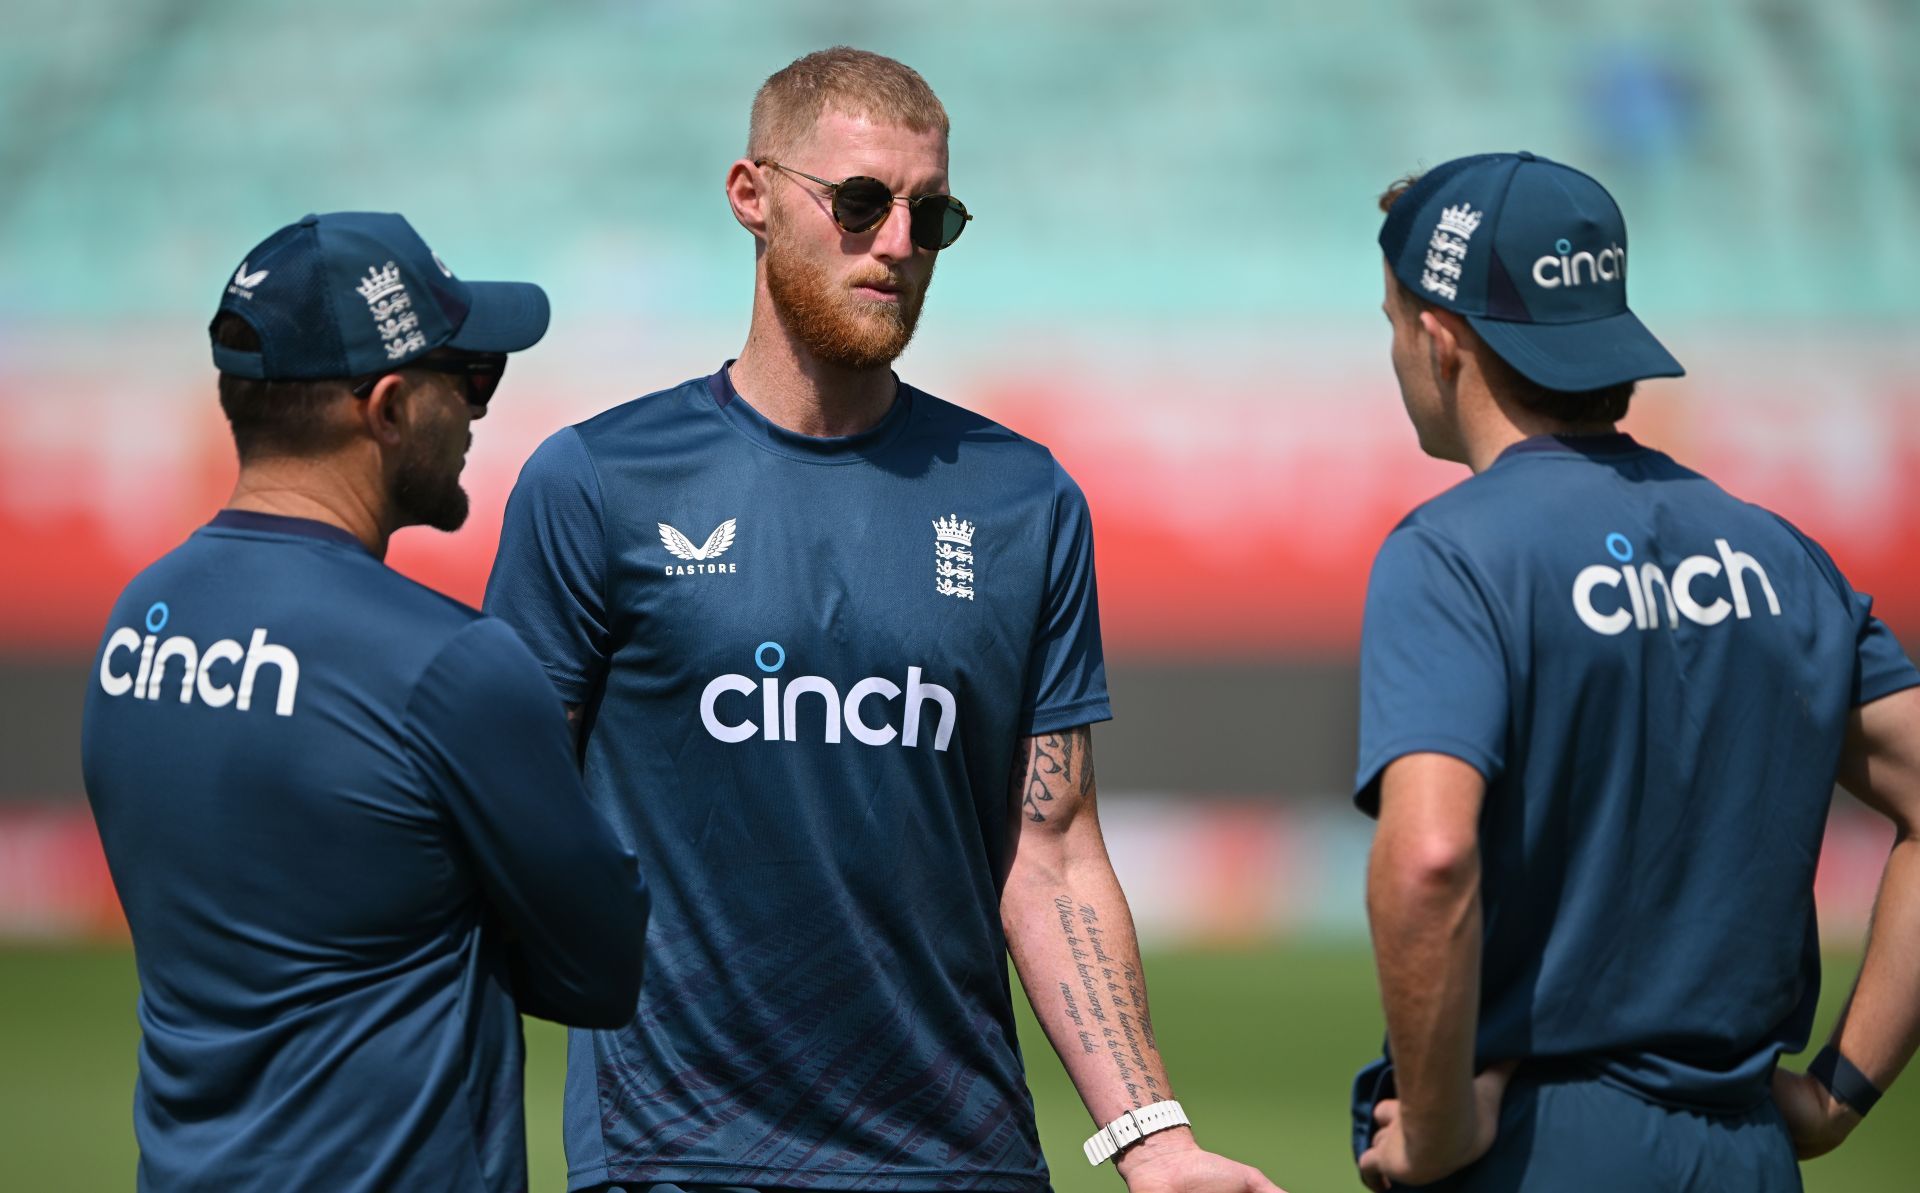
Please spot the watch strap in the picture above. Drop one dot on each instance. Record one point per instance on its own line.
(1132, 1127)
(1846, 1083)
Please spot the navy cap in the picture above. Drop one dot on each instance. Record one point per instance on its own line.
(1534, 255)
(358, 292)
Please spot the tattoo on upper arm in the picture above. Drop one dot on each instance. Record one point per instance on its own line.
(1110, 1014)
(1058, 765)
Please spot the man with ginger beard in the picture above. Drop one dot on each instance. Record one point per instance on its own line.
(833, 650)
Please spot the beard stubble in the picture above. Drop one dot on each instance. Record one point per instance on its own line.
(426, 487)
(828, 321)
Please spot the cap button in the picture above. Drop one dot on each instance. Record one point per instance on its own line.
(309, 221)
(1524, 156)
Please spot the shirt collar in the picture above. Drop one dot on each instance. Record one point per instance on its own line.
(281, 524)
(1613, 443)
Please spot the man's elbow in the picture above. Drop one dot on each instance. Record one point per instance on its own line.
(625, 968)
(611, 967)
(1428, 866)
(610, 1004)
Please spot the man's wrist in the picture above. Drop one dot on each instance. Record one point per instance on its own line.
(1440, 1141)
(1173, 1139)
(1846, 1086)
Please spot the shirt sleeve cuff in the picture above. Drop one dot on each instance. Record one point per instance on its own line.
(1366, 791)
(572, 689)
(1886, 685)
(1069, 716)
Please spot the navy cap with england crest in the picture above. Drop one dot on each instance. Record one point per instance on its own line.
(1534, 255)
(354, 293)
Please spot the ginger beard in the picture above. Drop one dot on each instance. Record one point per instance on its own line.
(824, 315)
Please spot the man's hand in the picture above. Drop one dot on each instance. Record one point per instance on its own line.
(1171, 1162)
(1390, 1160)
(1817, 1121)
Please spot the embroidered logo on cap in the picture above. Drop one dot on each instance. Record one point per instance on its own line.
(244, 282)
(1448, 249)
(392, 310)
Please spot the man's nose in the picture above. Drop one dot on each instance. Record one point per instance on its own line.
(893, 239)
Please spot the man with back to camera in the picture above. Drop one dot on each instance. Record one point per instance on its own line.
(833, 645)
(1603, 708)
(340, 809)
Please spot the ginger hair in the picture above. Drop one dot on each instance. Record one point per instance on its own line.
(856, 82)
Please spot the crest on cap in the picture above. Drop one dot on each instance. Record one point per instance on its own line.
(1448, 248)
(394, 318)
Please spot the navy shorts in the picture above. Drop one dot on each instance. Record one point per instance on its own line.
(1582, 1135)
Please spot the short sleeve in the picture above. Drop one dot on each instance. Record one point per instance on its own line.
(549, 576)
(1066, 682)
(1880, 666)
(1433, 669)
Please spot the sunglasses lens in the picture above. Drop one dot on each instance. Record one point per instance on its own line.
(860, 203)
(937, 221)
(486, 380)
(953, 221)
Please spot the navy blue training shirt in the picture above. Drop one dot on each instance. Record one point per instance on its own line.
(343, 818)
(806, 663)
(1654, 678)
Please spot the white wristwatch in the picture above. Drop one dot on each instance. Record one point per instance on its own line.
(1132, 1127)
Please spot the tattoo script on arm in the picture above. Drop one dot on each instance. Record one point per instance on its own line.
(1109, 1013)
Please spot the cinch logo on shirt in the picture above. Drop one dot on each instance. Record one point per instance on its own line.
(1562, 267)
(198, 674)
(779, 711)
(1632, 587)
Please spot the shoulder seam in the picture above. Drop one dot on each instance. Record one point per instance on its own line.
(1503, 618)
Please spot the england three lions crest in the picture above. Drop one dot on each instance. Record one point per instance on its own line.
(953, 557)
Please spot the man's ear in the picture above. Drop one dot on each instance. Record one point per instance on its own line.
(384, 412)
(748, 196)
(1446, 338)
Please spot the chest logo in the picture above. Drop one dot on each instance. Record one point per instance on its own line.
(953, 557)
(698, 560)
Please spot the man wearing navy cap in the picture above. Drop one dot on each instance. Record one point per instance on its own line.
(1603, 708)
(340, 809)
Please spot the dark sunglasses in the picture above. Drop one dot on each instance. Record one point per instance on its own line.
(861, 203)
(479, 373)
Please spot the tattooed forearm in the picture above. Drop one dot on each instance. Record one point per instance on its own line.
(1056, 765)
(1070, 932)
(1116, 1018)
(1091, 1033)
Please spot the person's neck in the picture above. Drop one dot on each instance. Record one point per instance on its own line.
(801, 393)
(324, 490)
(1491, 425)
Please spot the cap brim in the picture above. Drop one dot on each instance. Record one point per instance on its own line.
(1577, 357)
(504, 317)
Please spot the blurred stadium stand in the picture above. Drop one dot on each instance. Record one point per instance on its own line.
(1130, 158)
(1172, 281)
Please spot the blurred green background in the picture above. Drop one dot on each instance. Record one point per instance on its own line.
(1261, 1043)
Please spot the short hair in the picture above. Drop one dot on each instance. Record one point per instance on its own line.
(856, 82)
(276, 418)
(1605, 405)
